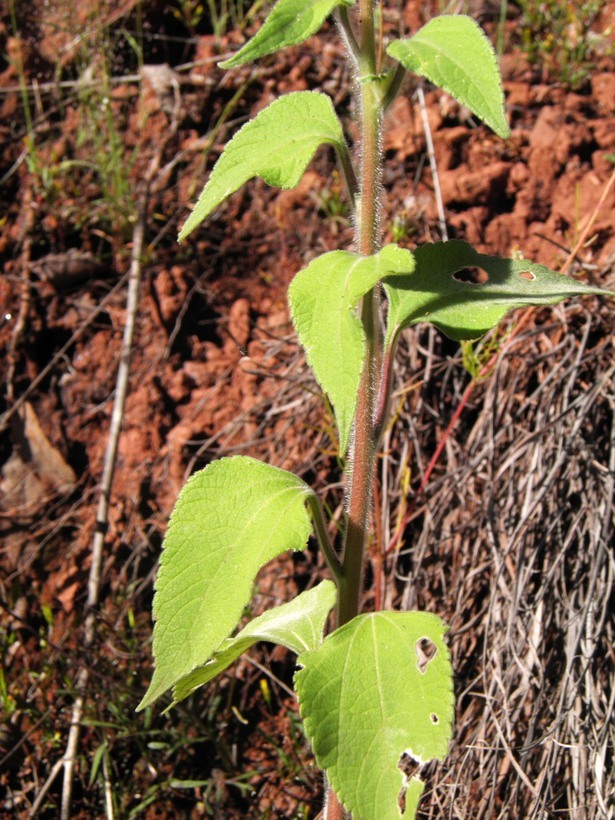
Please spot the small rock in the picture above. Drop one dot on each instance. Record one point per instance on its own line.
(239, 323)
(463, 187)
(603, 89)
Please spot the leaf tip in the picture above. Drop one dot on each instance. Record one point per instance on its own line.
(230, 62)
(146, 700)
(183, 233)
(189, 225)
(503, 131)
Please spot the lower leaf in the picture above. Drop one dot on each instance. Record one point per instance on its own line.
(229, 520)
(377, 701)
(298, 625)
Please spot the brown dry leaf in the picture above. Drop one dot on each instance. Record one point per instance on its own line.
(68, 269)
(35, 466)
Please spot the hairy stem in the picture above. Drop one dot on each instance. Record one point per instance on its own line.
(364, 444)
(350, 581)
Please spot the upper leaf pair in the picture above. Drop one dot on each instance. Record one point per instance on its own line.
(278, 144)
(451, 51)
(289, 23)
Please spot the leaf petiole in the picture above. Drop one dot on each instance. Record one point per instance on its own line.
(320, 529)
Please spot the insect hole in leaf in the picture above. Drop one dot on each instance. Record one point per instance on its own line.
(471, 275)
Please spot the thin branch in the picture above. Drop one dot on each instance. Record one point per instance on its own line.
(57, 768)
(589, 225)
(322, 535)
(109, 810)
(343, 19)
(393, 84)
(117, 418)
(432, 163)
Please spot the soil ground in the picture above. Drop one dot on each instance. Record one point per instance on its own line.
(509, 539)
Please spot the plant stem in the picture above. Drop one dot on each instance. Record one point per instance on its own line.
(364, 444)
(347, 32)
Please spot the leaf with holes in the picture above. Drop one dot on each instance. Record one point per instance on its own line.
(297, 625)
(377, 701)
(289, 23)
(322, 299)
(453, 53)
(229, 520)
(435, 292)
(276, 145)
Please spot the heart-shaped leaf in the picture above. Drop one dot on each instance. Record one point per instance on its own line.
(276, 145)
(322, 299)
(297, 625)
(377, 701)
(289, 23)
(452, 52)
(229, 520)
(434, 291)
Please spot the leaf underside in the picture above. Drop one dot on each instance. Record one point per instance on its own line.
(376, 689)
(322, 299)
(465, 310)
(276, 145)
(297, 625)
(452, 52)
(289, 23)
(229, 520)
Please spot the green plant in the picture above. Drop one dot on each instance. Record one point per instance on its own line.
(102, 166)
(557, 35)
(331, 203)
(44, 174)
(376, 694)
(221, 13)
(100, 136)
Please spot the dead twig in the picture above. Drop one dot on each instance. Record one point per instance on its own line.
(100, 307)
(25, 295)
(432, 163)
(132, 305)
(590, 223)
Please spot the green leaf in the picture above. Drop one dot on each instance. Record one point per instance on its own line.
(276, 145)
(452, 52)
(377, 688)
(289, 23)
(297, 625)
(229, 520)
(323, 298)
(465, 310)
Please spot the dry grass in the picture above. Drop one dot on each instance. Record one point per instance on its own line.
(513, 545)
